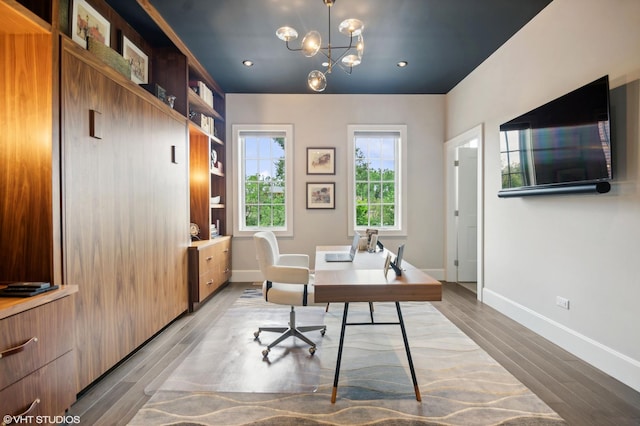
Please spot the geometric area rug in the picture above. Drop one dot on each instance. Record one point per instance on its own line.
(225, 381)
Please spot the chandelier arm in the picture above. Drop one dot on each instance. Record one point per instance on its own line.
(338, 59)
(347, 70)
(285, 33)
(292, 49)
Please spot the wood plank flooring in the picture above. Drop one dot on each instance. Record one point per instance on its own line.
(579, 393)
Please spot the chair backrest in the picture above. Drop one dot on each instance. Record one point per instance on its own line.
(267, 250)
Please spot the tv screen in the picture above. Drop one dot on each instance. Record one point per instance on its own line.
(562, 143)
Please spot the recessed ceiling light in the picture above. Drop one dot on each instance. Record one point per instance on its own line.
(247, 63)
(402, 64)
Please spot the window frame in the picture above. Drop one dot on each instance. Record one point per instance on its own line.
(400, 228)
(240, 228)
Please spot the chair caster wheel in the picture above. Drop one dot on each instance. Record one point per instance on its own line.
(256, 334)
(323, 331)
(265, 353)
(312, 350)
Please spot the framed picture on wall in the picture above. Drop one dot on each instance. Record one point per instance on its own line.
(87, 22)
(137, 59)
(321, 161)
(321, 195)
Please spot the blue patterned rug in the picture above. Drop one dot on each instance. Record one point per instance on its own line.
(459, 382)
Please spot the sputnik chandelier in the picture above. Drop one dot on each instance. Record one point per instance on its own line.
(344, 57)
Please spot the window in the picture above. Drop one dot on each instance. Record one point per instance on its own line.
(376, 178)
(264, 178)
(515, 149)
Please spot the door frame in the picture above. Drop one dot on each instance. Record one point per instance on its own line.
(450, 191)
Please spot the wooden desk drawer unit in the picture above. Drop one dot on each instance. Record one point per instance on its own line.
(37, 357)
(209, 268)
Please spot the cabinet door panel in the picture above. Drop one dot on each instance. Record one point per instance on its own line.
(125, 213)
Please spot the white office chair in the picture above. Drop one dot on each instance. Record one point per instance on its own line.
(287, 281)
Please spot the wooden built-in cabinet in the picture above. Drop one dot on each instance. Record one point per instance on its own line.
(37, 358)
(209, 268)
(97, 189)
(206, 178)
(125, 211)
(27, 177)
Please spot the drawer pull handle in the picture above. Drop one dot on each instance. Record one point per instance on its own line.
(31, 407)
(209, 282)
(209, 258)
(17, 349)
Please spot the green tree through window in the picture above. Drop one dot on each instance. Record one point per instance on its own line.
(264, 181)
(375, 180)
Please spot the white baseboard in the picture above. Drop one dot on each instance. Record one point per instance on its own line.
(615, 364)
(247, 276)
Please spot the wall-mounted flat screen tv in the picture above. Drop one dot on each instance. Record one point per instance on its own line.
(562, 145)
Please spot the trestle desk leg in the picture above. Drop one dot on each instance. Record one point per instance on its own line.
(334, 392)
(406, 346)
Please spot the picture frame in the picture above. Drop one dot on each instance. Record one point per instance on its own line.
(87, 22)
(321, 195)
(138, 60)
(321, 161)
(161, 93)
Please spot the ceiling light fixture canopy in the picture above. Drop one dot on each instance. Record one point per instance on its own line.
(345, 57)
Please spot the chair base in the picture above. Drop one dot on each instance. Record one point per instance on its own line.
(291, 331)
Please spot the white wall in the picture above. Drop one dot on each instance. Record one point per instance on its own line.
(582, 247)
(321, 120)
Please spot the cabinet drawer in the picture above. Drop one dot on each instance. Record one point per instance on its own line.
(53, 386)
(48, 329)
(207, 259)
(208, 283)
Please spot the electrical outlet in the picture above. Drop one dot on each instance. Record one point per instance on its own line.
(562, 302)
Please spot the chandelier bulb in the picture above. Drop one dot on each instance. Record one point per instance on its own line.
(360, 46)
(317, 81)
(286, 33)
(311, 43)
(351, 27)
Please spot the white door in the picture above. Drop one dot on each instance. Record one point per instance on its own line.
(467, 203)
(464, 255)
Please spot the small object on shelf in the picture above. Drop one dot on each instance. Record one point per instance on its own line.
(109, 56)
(89, 24)
(171, 99)
(138, 61)
(214, 231)
(194, 230)
(203, 91)
(161, 93)
(29, 285)
(214, 158)
(215, 200)
(11, 291)
(217, 169)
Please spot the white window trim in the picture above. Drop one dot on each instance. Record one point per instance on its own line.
(401, 162)
(239, 230)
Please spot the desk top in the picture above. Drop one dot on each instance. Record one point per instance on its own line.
(363, 280)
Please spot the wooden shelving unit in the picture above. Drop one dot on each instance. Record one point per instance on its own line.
(114, 221)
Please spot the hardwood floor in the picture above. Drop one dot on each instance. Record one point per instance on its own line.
(579, 393)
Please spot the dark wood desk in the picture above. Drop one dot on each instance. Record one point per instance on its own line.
(363, 280)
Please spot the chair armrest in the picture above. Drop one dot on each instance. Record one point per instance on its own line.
(287, 274)
(301, 260)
